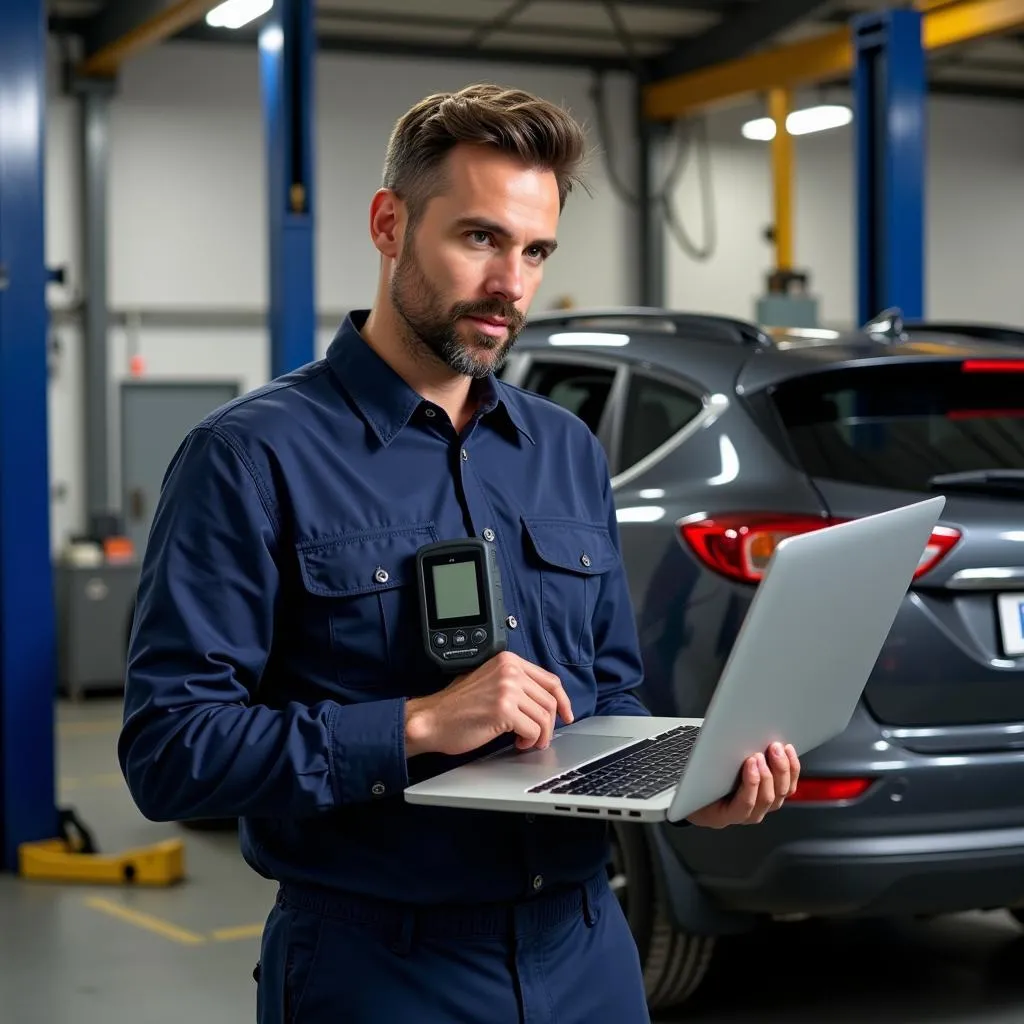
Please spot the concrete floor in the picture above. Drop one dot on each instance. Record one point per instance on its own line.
(102, 956)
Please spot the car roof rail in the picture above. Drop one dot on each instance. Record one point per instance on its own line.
(707, 326)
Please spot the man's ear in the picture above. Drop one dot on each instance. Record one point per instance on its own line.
(387, 219)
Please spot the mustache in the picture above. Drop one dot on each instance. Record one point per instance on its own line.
(491, 307)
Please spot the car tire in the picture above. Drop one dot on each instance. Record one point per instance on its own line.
(674, 962)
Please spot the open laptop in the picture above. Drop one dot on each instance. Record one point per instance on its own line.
(807, 645)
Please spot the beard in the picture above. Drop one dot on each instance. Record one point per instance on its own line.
(433, 327)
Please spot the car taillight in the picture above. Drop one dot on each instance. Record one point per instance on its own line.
(739, 545)
(828, 790)
(992, 366)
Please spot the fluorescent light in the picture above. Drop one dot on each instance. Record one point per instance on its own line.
(236, 13)
(799, 122)
(761, 129)
(588, 338)
(818, 119)
(640, 514)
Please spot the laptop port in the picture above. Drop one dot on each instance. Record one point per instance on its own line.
(617, 814)
(567, 809)
(634, 814)
(589, 810)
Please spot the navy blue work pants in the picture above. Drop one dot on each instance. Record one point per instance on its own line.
(561, 958)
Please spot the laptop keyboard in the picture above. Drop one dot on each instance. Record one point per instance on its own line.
(640, 771)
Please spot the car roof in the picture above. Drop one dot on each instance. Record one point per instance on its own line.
(671, 339)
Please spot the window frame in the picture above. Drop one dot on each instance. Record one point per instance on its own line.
(708, 412)
(520, 365)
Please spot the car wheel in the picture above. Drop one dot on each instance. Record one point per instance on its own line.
(674, 962)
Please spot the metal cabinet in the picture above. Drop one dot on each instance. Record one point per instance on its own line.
(94, 606)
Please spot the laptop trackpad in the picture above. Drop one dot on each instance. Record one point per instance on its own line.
(566, 750)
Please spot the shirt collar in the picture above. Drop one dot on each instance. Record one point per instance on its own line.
(384, 397)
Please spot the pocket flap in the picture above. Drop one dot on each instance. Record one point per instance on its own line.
(572, 544)
(362, 562)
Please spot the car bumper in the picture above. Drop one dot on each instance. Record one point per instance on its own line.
(935, 833)
(883, 875)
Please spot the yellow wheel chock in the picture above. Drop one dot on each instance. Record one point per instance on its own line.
(73, 857)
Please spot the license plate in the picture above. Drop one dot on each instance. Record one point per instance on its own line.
(1011, 623)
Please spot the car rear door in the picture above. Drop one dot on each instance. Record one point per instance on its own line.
(878, 435)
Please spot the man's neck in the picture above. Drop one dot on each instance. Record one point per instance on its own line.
(418, 366)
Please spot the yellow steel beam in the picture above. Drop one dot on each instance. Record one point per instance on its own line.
(945, 23)
(161, 25)
(782, 178)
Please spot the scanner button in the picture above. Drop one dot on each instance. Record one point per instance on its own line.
(488, 534)
(479, 636)
(440, 639)
(381, 575)
(511, 622)
(459, 638)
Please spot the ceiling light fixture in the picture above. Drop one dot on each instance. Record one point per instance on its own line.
(236, 13)
(800, 122)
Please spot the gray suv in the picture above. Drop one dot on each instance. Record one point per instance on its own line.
(722, 439)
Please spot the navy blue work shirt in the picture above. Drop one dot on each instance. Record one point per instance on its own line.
(276, 637)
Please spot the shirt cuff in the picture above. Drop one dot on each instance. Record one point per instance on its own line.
(368, 751)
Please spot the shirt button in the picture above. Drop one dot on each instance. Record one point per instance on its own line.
(585, 561)
(465, 455)
(381, 576)
(429, 413)
(378, 789)
(538, 882)
(488, 534)
(511, 622)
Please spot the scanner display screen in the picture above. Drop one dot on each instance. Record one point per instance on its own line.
(455, 590)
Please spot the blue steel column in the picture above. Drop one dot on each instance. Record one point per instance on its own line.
(891, 112)
(287, 59)
(27, 631)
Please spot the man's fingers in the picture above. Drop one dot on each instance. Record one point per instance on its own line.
(780, 773)
(765, 792)
(745, 800)
(540, 705)
(794, 768)
(553, 685)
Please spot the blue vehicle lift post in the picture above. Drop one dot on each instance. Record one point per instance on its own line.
(891, 113)
(287, 71)
(27, 617)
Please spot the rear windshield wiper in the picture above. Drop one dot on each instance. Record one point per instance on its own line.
(989, 481)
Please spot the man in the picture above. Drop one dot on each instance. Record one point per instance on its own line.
(276, 671)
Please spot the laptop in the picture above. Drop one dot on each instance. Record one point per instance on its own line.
(808, 643)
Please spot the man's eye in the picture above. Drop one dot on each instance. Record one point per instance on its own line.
(481, 237)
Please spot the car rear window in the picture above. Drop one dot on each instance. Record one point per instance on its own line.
(899, 425)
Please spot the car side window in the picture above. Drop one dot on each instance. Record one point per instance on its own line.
(655, 410)
(581, 389)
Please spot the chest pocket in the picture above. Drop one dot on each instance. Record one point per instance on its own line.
(571, 556)
(365, 585)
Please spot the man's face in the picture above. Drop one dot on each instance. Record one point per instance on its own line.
(469, 269)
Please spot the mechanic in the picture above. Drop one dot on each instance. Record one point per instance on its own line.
(276, 671)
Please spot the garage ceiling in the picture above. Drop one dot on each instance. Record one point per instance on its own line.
(662, 36)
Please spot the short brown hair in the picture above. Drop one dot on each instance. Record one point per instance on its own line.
(537, 131)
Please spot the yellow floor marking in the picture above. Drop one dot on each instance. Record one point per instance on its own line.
(88, 728)
(107, 781)
(145, 921)
(245, 931)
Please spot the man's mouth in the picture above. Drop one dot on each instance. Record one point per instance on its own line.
(494, 325)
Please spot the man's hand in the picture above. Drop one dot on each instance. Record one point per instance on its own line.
(505, 694)
(767, 780)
